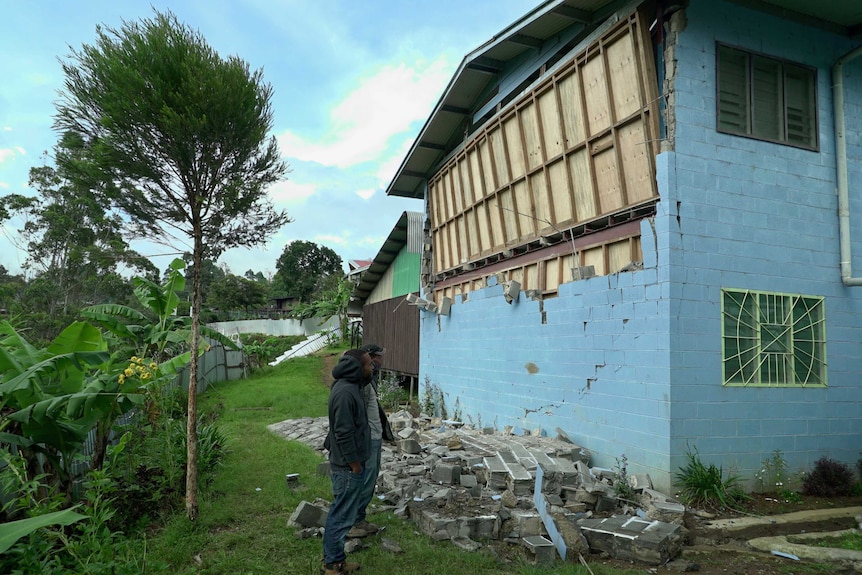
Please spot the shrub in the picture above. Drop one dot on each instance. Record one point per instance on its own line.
(706, 486)
(829, 478)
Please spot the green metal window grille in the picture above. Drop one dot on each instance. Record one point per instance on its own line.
(773, 339)
(766, 98)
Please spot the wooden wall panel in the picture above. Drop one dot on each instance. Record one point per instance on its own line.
(582, 185)
(619, 255)
(543, 220)
(569, 90)
(623, 73)
(561, 197)
(595, 257)
(532, 136)
(579, 146)
(636, 162)
(514, 147)
(608, 181)
(596, 95)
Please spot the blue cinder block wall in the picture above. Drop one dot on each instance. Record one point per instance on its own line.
(760, 216)
(630, 363)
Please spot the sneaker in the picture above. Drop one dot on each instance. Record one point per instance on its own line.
(370, 528)
(357, 532)
(338, 568)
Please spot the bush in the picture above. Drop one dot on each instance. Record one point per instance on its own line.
(829, 478)
(706, 486)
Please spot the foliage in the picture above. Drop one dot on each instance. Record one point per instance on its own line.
(176, 138)
(304, 269)
(622, 487)
(433, 403)
(237, 293)
(706, 485)
(774, 478)
(331, 303)
(849, 540)
(390, 394)
(829, 478)
(51, 398)
(261, 349)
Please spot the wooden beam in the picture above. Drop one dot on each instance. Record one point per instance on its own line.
(431, 146)
(455, 110)
(523, 40)
(575, 14)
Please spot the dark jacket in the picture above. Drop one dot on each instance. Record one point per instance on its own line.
(349, 438)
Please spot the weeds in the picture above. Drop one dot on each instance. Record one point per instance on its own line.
(706, 486)
(829, 478)
(622, 487)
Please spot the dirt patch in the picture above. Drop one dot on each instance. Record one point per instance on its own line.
(329, 361)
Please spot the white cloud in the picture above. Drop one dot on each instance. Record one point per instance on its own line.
(4, 185)
(365, 194)
(7, 128)
(382, 106)
(329, 239)
(288, 192)
(10, 153)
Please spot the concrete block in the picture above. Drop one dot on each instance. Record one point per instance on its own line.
(495, 472)
(308, 515)
(468, 481)
(634, 539)
(409, 446)
(542, 549)
(323, 468)
(446, 473)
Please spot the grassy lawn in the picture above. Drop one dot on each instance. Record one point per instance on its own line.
(242, 529)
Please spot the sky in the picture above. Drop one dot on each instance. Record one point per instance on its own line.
(353, 81)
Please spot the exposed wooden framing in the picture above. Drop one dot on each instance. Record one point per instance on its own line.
(576, 148)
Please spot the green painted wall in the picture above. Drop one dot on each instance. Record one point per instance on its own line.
(405, 278)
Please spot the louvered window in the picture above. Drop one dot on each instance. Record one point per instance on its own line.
(766, 98)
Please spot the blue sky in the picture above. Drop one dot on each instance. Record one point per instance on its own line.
(353, 84)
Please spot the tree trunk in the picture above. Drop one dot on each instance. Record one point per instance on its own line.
(192, 418)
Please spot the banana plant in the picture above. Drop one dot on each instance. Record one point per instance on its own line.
(51, 398)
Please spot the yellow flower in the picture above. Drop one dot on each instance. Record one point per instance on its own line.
(153, 365)
(122, 378)
(145, 376)
(134, 358)
(129, 372)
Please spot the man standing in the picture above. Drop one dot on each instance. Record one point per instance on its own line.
(376, 424)
(349, 446)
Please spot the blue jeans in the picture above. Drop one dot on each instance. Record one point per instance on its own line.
(346, 487)
(372, 470)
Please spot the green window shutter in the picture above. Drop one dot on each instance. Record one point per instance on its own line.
(799, 86)
(733, 91)
(767, 105)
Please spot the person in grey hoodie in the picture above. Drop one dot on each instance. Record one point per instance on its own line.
(349, 445)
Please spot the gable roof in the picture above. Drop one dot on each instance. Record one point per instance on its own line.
(476, 88)
(407, 232)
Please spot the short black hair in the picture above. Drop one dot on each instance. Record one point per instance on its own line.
(373, 349)
(357, 353)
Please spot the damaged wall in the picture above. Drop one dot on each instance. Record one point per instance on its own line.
(593, 361)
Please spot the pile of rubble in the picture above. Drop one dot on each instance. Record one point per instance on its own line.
(473, 485)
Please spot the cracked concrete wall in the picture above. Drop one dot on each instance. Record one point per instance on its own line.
(597, 367)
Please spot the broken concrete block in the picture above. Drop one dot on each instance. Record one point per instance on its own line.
(633, 539)
(466, 543)
(308, 515)
(323, 468)
(564, 533)
(542, 549)
(409, 446)
(495, 472)
(640, 481)
(446, 473)
(509, 499)
(407, 433)
(400, 420)
(468, 481)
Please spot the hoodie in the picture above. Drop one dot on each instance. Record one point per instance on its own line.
(349, 438)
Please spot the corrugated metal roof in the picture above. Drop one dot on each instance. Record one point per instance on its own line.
(480, 72)
(408, 231)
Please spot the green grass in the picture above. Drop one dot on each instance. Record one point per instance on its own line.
(851, 541)
(243, 531)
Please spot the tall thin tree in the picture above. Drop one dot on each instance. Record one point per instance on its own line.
(177, 137)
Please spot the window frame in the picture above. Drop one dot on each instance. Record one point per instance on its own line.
(783, 63)
(734, 374)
